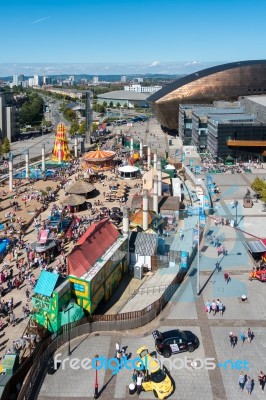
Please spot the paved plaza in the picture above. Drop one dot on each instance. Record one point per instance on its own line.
(186, 309)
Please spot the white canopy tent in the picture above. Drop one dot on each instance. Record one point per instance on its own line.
(128, 172)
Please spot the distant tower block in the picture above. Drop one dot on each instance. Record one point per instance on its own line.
(155, 194)
(145, 223)
(159, 171)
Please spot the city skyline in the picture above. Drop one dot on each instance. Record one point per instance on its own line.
(120, 37)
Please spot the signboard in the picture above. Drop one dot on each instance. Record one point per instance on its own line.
(202, 219)
(197, 169)
(193, 210)
(209, 180)
(195, 235)
(211, 188)
(206, 203)
(184, 259)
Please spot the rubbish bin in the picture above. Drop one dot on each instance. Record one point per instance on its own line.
(132, 388)
(50, 366)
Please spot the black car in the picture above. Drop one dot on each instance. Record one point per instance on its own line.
(175, 341)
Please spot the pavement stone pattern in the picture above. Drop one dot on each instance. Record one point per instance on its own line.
(186, 309)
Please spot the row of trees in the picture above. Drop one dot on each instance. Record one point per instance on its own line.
(259, 186)
(31, 112)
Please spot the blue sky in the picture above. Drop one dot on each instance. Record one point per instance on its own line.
(160, 36)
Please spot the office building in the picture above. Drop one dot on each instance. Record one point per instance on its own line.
(227, 82)
(9, 124)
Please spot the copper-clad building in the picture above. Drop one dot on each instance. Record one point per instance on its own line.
(222, 82)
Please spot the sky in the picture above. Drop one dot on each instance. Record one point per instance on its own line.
(128, 36)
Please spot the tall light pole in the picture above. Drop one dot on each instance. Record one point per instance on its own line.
(67, 309)
(96, 385)
(236, 204)
(198, 254)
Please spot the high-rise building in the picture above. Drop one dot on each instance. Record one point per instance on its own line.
(123, 79)
(8, 117)
(95, 79)
(37, 80)
(46, 80)
(15, 80)
(31, 82)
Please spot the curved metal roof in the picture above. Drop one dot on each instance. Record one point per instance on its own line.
(198, 75)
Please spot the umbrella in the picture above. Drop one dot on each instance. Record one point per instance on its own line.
(114, 216)
(115, 209)
(80, 187)
(73, 200)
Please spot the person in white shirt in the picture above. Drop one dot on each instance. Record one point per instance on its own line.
(139, 382)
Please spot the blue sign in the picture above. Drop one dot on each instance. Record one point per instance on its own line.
(194, 210)
(206, 202)
(211, 188)
(202, 218)
(209, 180)
(176, 152)
(197, 169)
(195, 235)
(183, 157)
(184, 259)
(191, 163)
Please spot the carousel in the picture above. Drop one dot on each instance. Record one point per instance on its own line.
(99, 160)
(61, 152)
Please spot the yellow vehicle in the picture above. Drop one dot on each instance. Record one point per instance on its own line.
(156, 379)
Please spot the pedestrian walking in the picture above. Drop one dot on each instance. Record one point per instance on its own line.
(262, 380)
(227, 278)
(249, 335)
(134, 376)
(221, 308)
(249, 385)
(241, 380)
(208, 306)
(242, 336)
(233, 339)
(214, 307)
(139, 382)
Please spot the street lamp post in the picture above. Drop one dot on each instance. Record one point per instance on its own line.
(198, 254)
(236, 204)
(96, 385)
(67, 309)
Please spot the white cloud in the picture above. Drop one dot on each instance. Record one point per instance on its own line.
(40, 20)
(154, 64)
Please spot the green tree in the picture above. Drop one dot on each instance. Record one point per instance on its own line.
(104, 104)
(82, 128)
(6, 146)
(111, 104)
(118, 105)
(74, 128)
